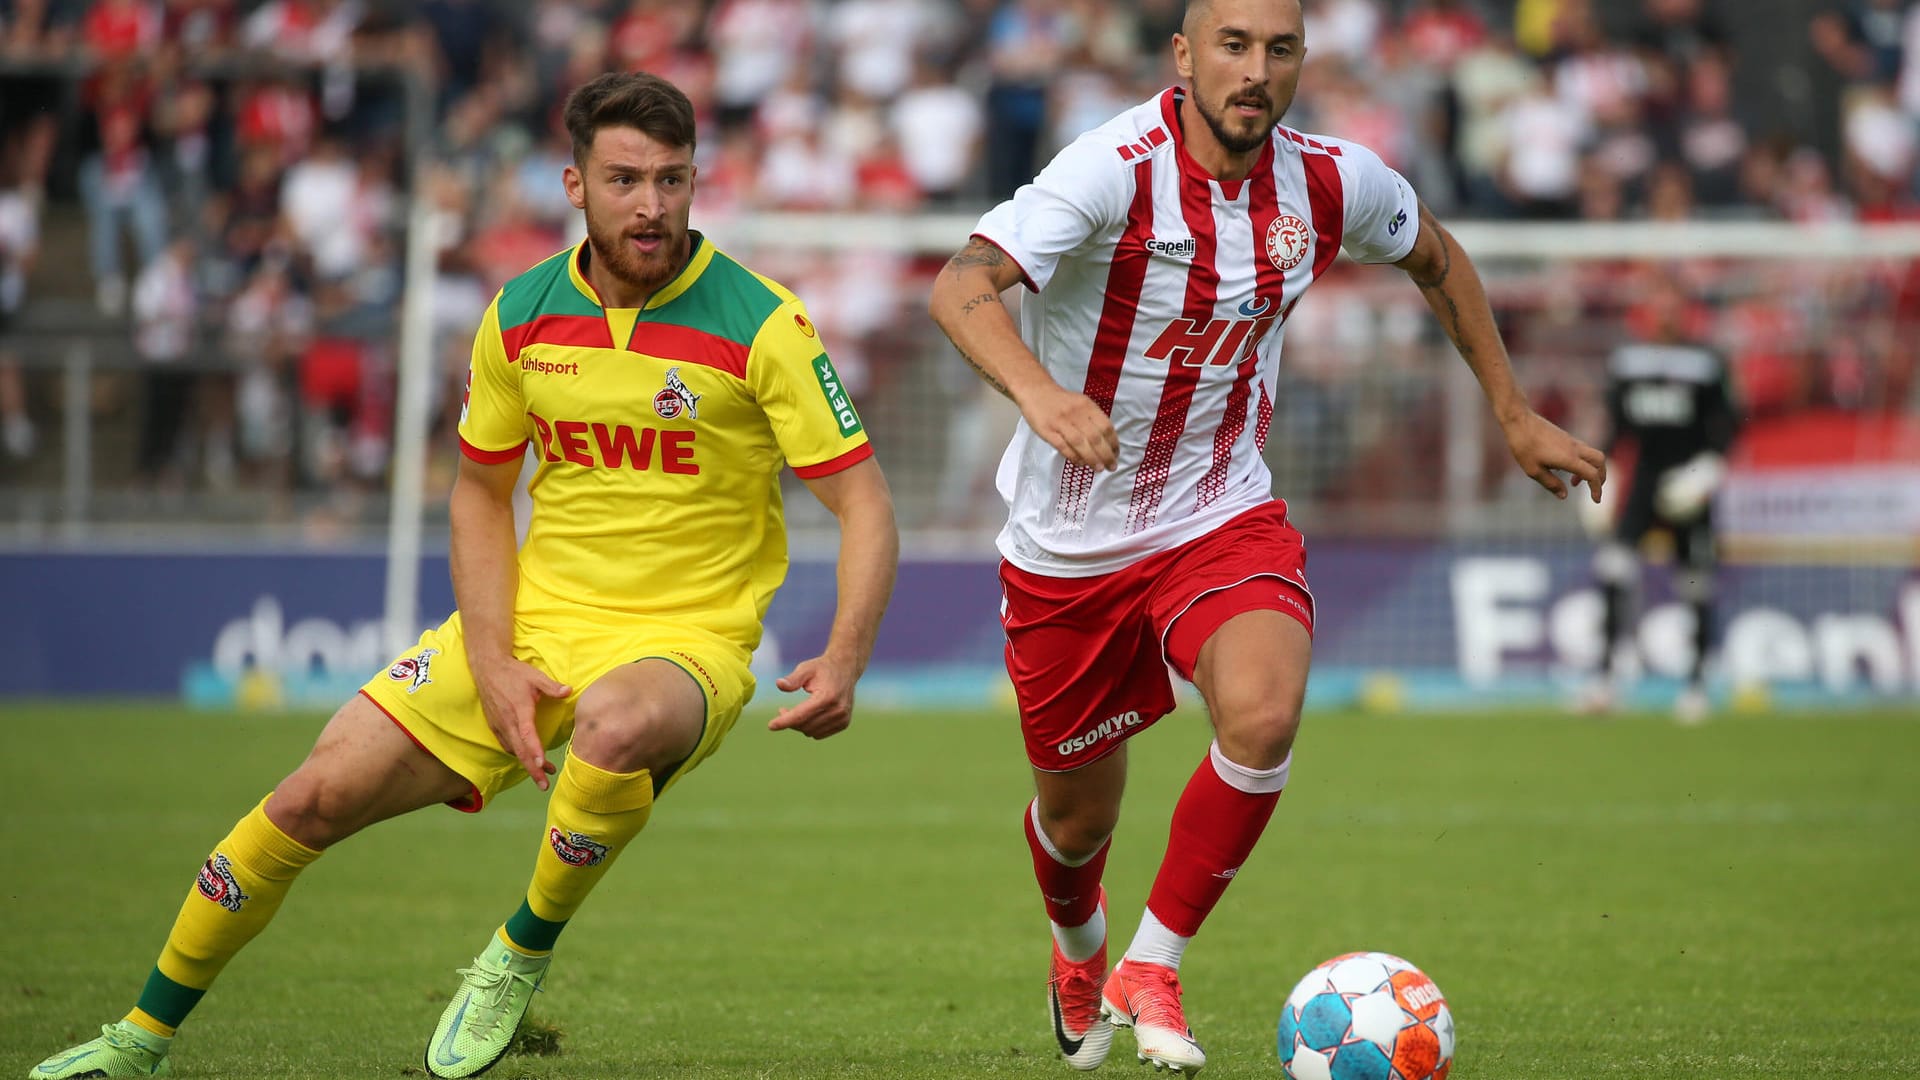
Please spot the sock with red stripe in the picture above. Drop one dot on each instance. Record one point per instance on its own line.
(1216, 823)
(1071, 890)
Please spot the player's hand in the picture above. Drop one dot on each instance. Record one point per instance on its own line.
(828, 707)
(1072, 424)
(509, 692)
(1544, 451)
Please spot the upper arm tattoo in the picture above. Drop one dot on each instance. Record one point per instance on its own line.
(979, 252)
(1435, 273)
(978, 301)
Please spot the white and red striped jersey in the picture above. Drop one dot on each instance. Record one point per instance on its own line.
(1163, 294)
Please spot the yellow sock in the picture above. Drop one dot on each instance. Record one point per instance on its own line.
(239, 888)
(591, 815)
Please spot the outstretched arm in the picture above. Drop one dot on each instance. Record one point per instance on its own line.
(966, 304)
(1450, 283)
(869, 556)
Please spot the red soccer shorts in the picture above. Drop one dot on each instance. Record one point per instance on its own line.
(1089, 657)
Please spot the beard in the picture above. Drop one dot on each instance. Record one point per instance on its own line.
(640, 270)
(1244, 141)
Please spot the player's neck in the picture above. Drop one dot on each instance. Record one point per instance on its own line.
(1206, 151)
(618, 292)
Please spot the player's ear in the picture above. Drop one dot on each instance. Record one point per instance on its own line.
(1183, 56)
(576, 185)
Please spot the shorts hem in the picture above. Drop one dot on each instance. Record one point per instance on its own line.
(474, 802)
(1305, 619)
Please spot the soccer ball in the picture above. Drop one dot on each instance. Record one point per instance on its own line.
(1366, 1016)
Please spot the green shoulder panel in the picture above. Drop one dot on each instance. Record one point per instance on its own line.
(543, 290)
(728, 301)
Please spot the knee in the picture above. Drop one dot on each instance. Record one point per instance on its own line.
(311, 808)
(1078, 831)
(1257, 733)
(624, 733)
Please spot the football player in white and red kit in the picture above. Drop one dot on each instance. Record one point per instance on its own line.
(1164, 251)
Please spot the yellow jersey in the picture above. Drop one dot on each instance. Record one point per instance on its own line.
(659, 433)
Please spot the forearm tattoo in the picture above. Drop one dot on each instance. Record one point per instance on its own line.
(982, 372)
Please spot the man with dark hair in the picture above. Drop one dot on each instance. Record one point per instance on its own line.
(1164, 251)
(660, 387)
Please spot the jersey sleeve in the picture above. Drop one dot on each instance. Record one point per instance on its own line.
(1079, 197)
(1382, 212)
(493, 420)
(812, 415)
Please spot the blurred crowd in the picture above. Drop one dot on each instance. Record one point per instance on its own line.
(236, 171)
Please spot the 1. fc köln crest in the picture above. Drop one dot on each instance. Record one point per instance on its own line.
(1287, 241)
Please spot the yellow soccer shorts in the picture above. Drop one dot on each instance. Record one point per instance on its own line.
(430, 693)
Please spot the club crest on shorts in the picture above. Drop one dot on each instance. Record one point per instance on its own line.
(217, 884)
(575, 849)
(1287, 240)
(413, 670)
(677, 398)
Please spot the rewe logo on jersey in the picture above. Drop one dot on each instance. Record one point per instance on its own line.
(1214, 343)
(614, 446)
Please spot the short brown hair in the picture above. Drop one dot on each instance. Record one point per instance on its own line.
(635, 99)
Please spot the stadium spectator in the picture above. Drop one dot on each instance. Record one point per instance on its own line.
(119, 182)
(267, 327)
(166, 309)
(938, 125)
(22, 164)
(1026, 41)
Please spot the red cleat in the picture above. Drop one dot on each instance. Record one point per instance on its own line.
(1146, 998)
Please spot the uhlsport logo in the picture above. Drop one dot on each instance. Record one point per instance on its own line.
(1183, 248)
(575, 849)
(1287, 240)
(415, 671)
(1110, 728)
(678, 397)
(217, 884)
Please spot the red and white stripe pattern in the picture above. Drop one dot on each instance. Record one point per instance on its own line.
(1162, 293)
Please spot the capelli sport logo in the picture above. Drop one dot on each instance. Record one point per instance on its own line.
(836, 394)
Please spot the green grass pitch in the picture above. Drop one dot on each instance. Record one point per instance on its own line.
(1597, 899)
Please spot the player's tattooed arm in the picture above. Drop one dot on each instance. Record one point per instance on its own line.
(1453, 290)
(1430, 265)
(979, 252)
(997, 385)
(979, 301)
(1447, 278)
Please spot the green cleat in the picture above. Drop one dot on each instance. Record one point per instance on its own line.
(480, 1021)
(123, 1049)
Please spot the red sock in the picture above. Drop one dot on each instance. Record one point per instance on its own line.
(1219, 818)
(1072, 893)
